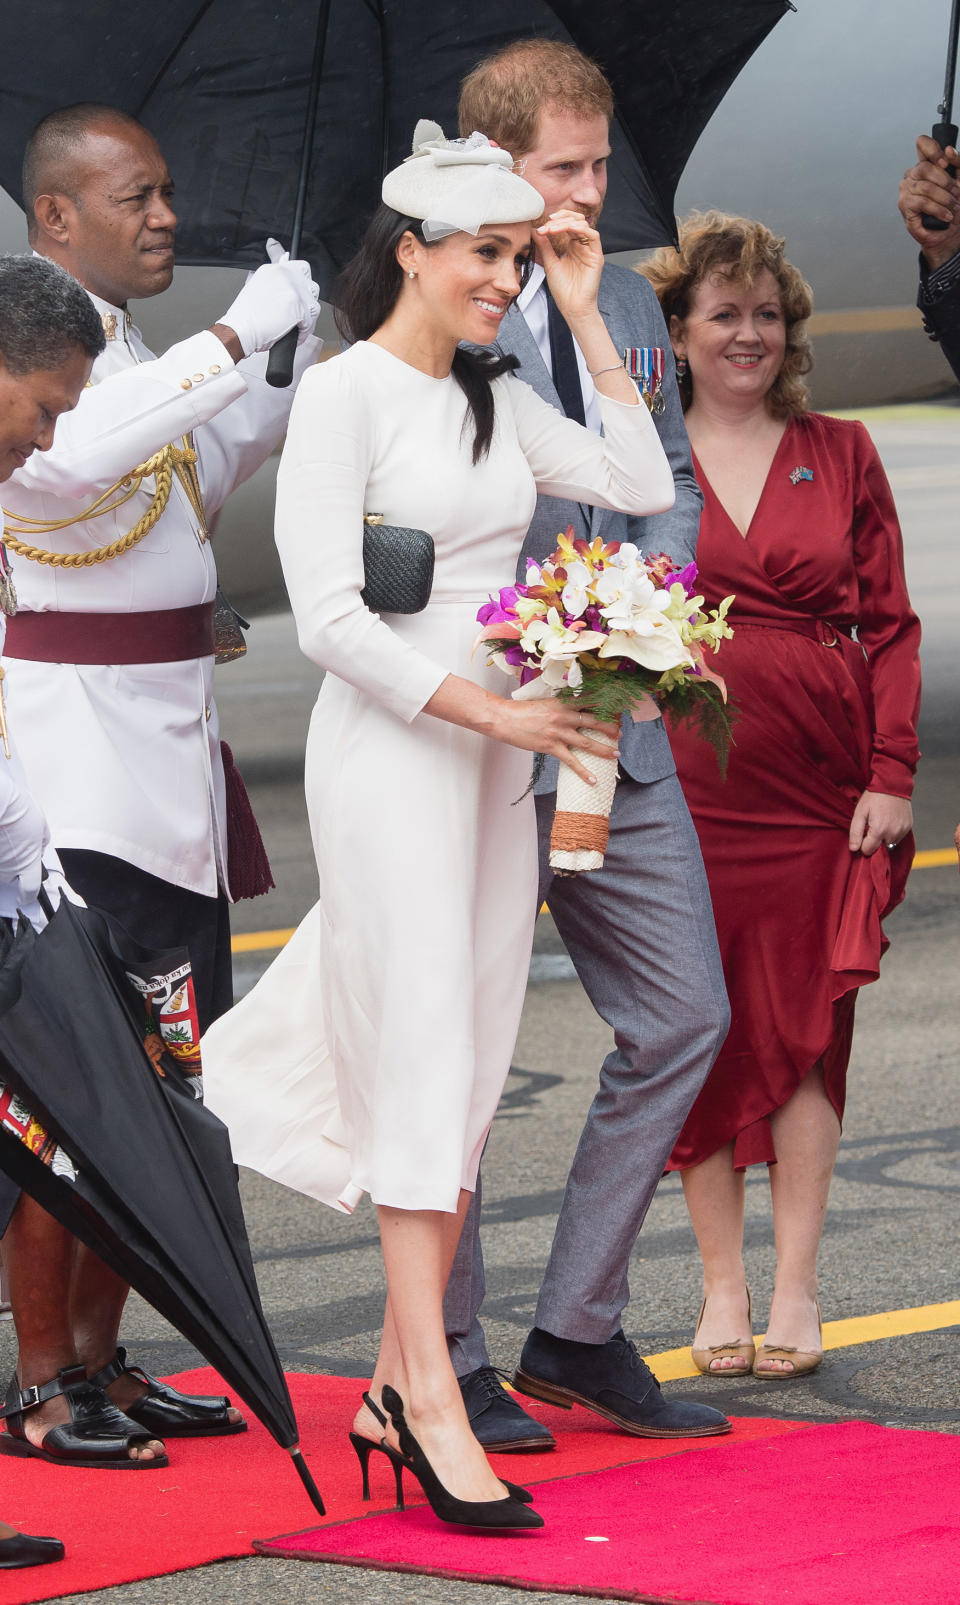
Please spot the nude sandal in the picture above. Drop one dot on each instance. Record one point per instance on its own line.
(747, 1352)
(803, 1360)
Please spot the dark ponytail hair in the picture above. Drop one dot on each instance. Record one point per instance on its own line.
(366, 293)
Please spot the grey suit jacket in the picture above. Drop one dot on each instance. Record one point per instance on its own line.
(632, 314)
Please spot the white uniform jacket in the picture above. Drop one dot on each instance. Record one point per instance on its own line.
(125, 759)
(15, 803)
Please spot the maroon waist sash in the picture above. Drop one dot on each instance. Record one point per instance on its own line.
(822, 630)
(166, 635)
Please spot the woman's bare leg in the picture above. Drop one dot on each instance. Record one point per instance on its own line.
(714, 1194)
(806, 1134)
(418, 1250)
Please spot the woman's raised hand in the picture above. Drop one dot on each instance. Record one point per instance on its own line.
(573, 262)
(554, 727)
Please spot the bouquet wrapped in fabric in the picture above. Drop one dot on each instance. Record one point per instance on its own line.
(617, 633)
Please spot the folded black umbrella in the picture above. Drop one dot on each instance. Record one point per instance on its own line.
(225, 86)
(101, 1122)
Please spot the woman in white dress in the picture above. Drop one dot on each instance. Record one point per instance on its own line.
(415, 957)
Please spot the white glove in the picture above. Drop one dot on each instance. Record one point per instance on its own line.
(274, 298)
(23, 836)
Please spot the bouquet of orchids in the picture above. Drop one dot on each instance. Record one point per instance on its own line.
(619, 634)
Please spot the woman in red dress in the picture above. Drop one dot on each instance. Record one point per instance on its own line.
(808, 841)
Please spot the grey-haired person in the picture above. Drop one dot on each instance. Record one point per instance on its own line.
(49, 337)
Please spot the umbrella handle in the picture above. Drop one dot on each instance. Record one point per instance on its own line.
(280, 361)
(944, 134)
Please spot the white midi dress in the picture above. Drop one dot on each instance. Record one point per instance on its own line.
(372, 1054)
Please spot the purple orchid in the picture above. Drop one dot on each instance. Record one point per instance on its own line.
(500, 609)
(687, 577)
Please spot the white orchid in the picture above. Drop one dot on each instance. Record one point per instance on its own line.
(637, 599)
(557, 645)
(640, 626)
(574, 595)
(609, 587)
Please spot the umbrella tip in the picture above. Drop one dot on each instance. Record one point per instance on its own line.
(303, 1472)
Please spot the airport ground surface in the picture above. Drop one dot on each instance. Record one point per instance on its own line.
(891, 1236)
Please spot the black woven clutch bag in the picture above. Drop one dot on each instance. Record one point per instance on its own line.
(397, 567)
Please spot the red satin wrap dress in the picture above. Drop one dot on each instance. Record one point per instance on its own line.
(821, 717)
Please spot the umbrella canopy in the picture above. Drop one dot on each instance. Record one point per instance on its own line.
(144, 1173)
(224, 85)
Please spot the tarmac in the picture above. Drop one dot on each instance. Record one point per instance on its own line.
(891, 1235)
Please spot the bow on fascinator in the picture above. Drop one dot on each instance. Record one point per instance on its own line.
(469, 208)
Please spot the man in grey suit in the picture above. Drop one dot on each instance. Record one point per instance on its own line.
(640, 931)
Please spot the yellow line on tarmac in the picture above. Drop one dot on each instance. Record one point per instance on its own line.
(269, 941)
(260, 941)
(675, 1364)
(935, 857)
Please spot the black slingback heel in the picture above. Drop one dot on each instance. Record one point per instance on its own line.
(494, 1514)
(365, 1447)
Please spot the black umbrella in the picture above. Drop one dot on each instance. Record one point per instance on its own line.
(225, 86)
(108, 1133)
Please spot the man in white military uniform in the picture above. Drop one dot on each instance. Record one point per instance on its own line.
(115, 674)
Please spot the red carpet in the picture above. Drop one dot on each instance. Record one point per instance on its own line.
(849, 1514)
(219, 1494)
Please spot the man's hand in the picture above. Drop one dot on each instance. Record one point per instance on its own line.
(276, 297)
(928, 188)
(879, 820)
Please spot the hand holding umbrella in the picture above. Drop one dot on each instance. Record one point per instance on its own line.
(280, 296)
(945, 132)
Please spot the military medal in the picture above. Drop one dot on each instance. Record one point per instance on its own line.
(644, 364)
(8, 592)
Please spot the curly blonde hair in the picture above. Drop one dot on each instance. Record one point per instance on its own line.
(740, 249)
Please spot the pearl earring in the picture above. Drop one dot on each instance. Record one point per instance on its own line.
(411, 274)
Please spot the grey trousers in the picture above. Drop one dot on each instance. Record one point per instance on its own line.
(640, 933)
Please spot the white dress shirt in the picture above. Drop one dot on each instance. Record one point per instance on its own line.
(532, 302)
(125, 759)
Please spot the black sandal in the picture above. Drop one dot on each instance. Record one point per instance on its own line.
(97, 1434)
(165, 1411)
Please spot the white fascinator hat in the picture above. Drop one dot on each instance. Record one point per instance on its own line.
(455, 185)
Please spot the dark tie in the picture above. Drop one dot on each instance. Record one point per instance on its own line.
(563, 359)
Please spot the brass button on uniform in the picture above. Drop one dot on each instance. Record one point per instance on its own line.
(198, 378)
(186, 384)
(215, 368)
(206, 711)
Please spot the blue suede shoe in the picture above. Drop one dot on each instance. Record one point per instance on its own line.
(496, 1419)
(612, 1380)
